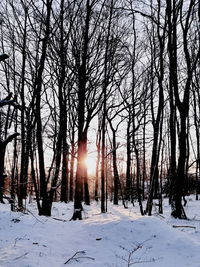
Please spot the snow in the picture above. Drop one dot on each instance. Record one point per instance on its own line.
(121, 237)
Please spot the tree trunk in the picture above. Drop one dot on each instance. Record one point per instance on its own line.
(46, 204)
(71, 179)
(24, 155)
(2, 157)
(196, 123)
(85, 179)
(115, 170)
(128, 161)
(79, 180)
(82, 80)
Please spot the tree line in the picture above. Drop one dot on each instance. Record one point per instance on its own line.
(132, 68)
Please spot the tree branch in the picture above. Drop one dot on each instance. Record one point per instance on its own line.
(10, 138)
(7, 101)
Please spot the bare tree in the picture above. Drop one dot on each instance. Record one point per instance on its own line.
(3, 143)
(181, 99)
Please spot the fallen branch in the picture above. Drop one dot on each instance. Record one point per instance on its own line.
(76, 257)
(158, 214)
(186, 226)
(33, 215)
(17, 258)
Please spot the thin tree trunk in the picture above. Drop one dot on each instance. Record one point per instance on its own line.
(23, 178)
(85, 179)
(71, 179)
(46, 205)
(128, 161)
(82, 79)
(105, 84)
(198, 144)
(115, 170)
(98, 145)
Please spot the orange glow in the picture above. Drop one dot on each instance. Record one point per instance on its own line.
(91, 165)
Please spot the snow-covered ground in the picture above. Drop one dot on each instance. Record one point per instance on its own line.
(119, 238)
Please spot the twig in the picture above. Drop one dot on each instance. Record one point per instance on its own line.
(160, 215)
(19, 238)
(187, 226)
(57, 219)
(130, 260)
(79, 257)
(144, 261)
(17, 258)
(78, 252)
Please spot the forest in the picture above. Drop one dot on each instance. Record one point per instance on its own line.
(115, 80)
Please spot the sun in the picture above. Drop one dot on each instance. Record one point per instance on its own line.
(91, 165)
